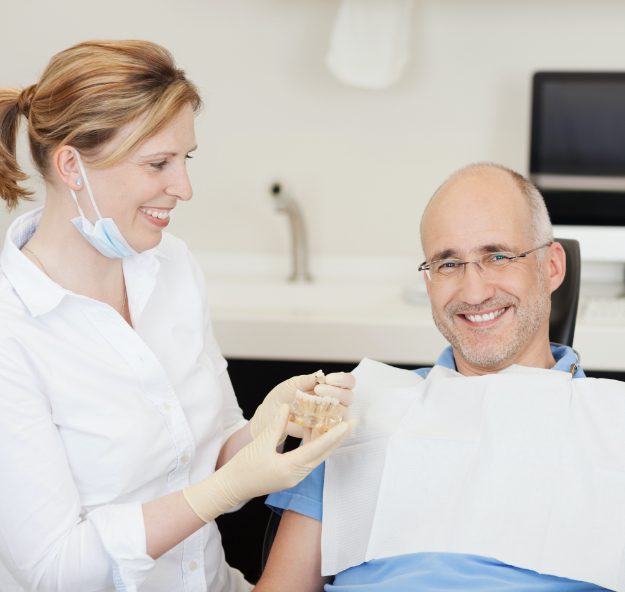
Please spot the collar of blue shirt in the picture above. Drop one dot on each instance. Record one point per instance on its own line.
(564, 355)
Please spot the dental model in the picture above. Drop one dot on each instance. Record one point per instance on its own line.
(312, 411)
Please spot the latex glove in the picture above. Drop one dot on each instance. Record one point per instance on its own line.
(337, 384)
(257, 469)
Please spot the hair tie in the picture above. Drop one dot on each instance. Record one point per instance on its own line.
(25, 99)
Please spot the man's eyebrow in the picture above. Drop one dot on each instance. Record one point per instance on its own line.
(446, 254)
(496, 248)
(454, 253)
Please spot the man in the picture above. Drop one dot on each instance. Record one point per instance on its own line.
(470, 505)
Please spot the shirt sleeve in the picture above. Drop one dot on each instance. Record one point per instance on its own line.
(47, 542)
(304, 498)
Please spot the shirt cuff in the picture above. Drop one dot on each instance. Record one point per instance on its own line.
(304, 498)
(122, 531)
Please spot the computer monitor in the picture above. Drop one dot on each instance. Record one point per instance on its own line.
(577, 157)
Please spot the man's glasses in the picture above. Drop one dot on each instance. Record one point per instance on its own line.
(488, 264)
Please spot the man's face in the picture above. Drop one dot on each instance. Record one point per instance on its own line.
(491, 318)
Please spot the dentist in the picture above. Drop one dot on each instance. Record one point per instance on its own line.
(120, 435)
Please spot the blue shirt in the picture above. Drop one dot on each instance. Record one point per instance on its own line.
(431, 572)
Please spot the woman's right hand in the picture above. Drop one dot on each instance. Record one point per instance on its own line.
(258, 469)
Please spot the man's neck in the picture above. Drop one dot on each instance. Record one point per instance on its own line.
(538, 356)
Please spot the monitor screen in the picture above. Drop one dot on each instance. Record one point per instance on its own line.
(577, 153)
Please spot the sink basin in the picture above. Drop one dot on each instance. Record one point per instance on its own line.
(283, 298)
(256, 318)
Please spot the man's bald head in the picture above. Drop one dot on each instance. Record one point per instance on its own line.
(512, 185)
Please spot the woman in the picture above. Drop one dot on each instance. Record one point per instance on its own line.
(116, 409)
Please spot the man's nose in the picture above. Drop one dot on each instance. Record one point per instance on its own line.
(475, 285)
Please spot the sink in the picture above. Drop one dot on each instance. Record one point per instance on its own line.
(279, 297)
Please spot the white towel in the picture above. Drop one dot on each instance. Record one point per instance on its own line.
(369, 47)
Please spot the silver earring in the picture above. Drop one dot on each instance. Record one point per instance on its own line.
(78, 182)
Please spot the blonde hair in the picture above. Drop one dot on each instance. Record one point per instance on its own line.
(85, 95)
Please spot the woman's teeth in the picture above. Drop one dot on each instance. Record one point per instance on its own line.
(485, 317)
(161, 215)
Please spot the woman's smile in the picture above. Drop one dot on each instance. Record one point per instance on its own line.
(158, 216)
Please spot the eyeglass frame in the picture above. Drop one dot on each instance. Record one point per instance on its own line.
(427, 266)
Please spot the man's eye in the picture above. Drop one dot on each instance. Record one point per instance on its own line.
(499, 258)
(447, 265)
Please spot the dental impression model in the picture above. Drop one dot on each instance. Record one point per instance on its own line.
(312, 411)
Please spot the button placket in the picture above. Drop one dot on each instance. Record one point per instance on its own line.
(155, 384)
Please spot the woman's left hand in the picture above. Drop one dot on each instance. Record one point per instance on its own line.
(337, 384)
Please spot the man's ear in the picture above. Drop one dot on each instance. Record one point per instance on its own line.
(426, 279)
(65, 165)
(556, 265)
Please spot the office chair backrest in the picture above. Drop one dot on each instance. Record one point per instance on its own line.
(565, 300)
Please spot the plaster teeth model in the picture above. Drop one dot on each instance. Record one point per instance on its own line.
(312, 411)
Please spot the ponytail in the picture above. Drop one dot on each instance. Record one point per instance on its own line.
(13, 103)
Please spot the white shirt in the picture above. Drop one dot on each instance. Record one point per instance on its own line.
(97, 417)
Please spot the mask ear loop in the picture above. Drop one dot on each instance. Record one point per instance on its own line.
(87, 186)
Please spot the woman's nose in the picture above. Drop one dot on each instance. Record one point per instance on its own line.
(180, 185)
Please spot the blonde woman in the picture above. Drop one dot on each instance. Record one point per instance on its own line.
(120, 436)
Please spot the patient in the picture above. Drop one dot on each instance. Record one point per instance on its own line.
(492, 471)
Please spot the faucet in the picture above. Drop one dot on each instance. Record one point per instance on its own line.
(299, 244)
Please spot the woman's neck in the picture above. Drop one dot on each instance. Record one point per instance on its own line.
(63, 254)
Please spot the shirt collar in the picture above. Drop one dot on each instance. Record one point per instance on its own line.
(39, 293)
(34, 288)
(566, 359)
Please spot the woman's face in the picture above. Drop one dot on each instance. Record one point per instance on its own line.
(141, 190)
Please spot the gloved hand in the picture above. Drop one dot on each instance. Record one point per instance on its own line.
(336, 384)
(257, 469)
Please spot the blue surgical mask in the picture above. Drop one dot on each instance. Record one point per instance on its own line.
(104, 235)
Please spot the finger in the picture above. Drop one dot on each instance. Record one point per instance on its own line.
(305, 382)
(342, 379)
(295, 430)
(316, 432)
(345, 396)
(275, 432)
(316, 451)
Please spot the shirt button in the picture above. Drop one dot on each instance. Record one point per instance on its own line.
(167, 406)
(185, 459)
(193, 565)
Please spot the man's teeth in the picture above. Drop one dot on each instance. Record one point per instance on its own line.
(485, 317)
(161, 215)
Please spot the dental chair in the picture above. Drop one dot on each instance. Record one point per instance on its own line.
(564, 303)
(565, 300)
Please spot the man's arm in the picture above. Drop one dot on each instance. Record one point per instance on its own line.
(295, 559)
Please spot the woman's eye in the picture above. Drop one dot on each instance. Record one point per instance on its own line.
(158, 165)
(189, 157)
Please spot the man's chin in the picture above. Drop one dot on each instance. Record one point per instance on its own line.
(487, 357)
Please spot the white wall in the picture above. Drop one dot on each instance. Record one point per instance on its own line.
(363, 163)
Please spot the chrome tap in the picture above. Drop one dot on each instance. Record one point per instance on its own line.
(299, 243)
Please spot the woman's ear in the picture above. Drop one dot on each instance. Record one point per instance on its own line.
(65, 165)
